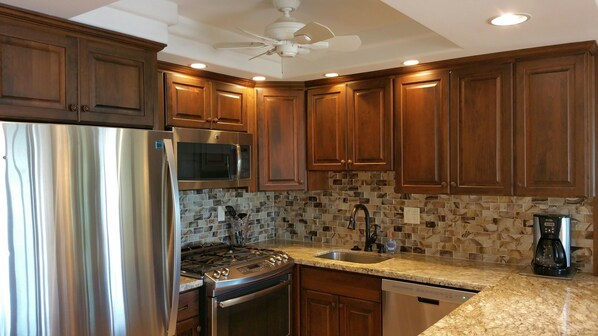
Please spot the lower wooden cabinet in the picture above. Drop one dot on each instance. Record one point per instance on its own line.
(188, 315)
(339, 303)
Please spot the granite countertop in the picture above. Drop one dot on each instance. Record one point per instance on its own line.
(189, 283)
(508, 303)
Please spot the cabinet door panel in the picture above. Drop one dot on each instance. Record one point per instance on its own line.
(481, 130)
(117, 85)
(551, 114)
(327, 129)
(319, 314)
(187, 101)
(281, 138)
(229, 106)
(38, 73)
(369, 139)
(421, 154)
(359, 317)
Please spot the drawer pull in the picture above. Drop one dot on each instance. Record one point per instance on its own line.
(185, 307)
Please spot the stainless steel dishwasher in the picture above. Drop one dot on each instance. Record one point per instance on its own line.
(408, 308)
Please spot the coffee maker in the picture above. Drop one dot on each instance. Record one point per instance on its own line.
(552, 245)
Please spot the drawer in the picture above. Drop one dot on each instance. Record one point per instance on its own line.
(188, 304)
(355, 285)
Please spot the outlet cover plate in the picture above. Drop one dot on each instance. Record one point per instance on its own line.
(221, 215)
(411, 215)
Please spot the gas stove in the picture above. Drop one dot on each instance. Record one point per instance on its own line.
(224, 267)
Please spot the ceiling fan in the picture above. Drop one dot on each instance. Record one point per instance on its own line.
(288, 37)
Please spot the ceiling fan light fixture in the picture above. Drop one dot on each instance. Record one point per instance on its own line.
(198, 65)
(411, 62)
(259, 78)
(509, 19)
(331, 74)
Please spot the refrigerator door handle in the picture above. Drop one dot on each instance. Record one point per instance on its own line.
(170, 158)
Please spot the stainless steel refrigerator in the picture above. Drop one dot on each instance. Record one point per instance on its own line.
(89, 231)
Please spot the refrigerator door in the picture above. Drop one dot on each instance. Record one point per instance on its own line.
(88, 236)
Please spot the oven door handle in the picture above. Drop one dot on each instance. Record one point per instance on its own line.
(253, 296)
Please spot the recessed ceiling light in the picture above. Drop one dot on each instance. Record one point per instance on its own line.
(331, 74)
(259, 78)
(411, 62)
(509, 19)
(198, 65)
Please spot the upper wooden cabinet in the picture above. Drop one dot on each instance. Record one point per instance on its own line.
(281, 139)
(553, 126)
(63, 72)
(458, 143)
(203, 103)
(481, 130)
(350, 126)
(421, 132)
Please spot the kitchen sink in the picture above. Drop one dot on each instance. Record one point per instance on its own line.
(354, 257)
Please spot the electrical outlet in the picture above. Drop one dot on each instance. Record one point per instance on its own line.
(221, 216)
(411, 215)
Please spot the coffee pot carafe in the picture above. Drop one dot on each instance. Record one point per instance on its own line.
(552, 245)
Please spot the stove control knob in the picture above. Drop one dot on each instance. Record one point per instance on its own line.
(217, 274)
(225, 272)
(285, 256)
(272, 261)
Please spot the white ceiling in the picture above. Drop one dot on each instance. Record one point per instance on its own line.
(391, 30)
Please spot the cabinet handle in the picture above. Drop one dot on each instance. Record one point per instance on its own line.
(85, 108)
(443, 184)
(73, 107)
(453, 184)
(185, 307)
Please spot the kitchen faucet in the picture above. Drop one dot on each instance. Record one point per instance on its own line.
(369, 239)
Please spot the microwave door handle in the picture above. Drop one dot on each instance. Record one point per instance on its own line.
(239, 162)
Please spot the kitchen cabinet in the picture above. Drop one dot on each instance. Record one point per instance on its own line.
(350, 126)
(188, 314)
(197, 102)
(457, 143)
(339, 303)
(63, 72)
(553, 126)
(281, 139)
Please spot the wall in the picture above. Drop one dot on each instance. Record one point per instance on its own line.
(488, 228)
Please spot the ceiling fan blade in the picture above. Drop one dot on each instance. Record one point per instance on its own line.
(267, 52)
(344, 43)
(263, 38)
(239, 45)
(313, 32)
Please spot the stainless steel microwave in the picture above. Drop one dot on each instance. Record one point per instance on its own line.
(209, 159)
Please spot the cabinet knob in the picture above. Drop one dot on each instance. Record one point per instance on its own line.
(350, 162)
(300, 181)
(443, 184)
(333, 305)
(343, 161)
(453, 184)
(198, 329)
(73, 107)
(215, 120)
(85, 108)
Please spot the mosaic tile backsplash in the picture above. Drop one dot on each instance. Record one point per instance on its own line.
(488, 228)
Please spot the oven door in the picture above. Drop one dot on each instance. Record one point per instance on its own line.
(262, 309)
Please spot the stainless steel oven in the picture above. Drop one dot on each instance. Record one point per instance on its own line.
(262, 309)
(246, 292)
(213, 159)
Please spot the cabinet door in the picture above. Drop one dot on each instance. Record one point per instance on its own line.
(187, 101)
(38, 74)
(319, 314)
(117, 84)
(188, 327)
(359, 317)
(229, 107)
(551, 114)
(326, 128)
(369, 139)
(421, 133)
(281, 139)
(481, 130)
